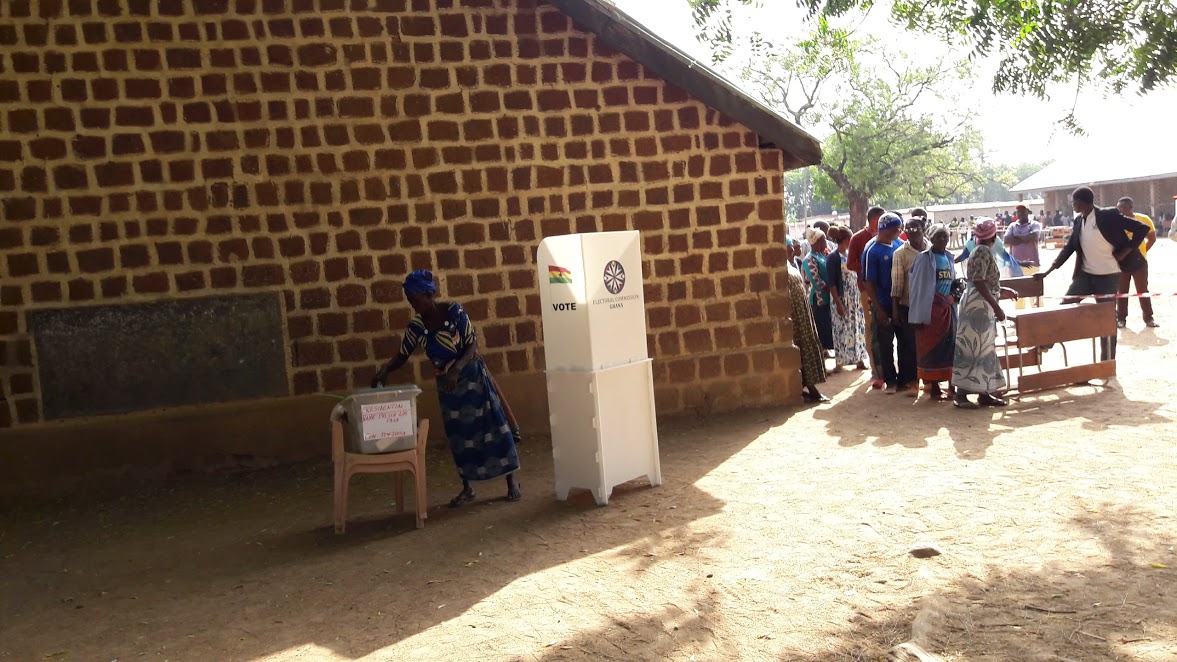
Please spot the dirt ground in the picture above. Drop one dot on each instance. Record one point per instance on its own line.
(777, 534)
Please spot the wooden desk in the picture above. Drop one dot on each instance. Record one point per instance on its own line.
(1041, 327)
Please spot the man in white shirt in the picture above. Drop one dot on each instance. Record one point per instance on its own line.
(1101, 239)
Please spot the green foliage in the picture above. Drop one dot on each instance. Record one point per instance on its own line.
(1120, 44)
(993, 183)
(801, 199)
(888, 132)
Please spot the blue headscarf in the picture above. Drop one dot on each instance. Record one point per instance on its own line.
(419, 282)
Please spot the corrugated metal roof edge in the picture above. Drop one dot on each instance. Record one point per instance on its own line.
(1053, 187)
(623, 33)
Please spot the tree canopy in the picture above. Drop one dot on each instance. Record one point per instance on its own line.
(1123, 44)
(888, 132)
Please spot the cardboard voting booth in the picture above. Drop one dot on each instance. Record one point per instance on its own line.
(599, 374)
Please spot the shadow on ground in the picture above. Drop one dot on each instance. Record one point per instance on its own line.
(247, 566)
(917, 422)
(1121, 608)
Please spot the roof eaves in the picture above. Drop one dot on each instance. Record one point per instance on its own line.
(626, 35)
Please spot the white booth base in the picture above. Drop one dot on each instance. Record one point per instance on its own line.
(604, 432)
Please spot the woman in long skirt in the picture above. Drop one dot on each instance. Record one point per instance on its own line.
(849, 320)
(819, 286)
(480, 439)
(975, 366)
(933, 312)
(813, 368)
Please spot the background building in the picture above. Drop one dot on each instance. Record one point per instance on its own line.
(208, 208)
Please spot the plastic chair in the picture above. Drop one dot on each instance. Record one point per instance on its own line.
(348, 464)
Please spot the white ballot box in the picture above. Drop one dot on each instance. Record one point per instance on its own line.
(600, 376)
(381, 420)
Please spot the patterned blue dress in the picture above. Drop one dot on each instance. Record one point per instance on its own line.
(475, 425)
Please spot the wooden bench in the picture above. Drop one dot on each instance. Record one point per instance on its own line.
(1041, 327)
(1057, 237)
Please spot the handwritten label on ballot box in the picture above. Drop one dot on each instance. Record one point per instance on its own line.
(387, 419)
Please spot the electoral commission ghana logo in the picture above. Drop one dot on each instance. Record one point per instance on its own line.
(614, 277)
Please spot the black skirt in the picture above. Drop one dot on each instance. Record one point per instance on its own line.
(825, 325)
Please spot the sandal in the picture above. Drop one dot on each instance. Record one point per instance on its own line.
(965, 403)
(986, 400)
(463, 498)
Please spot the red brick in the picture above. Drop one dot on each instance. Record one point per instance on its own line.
(698, 341)
(718, 312)
(306, 382)
(152, 283)
(260, 275)
(313, 352)
(332, 324)
(95, 260)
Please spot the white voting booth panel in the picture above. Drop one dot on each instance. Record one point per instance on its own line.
(600, 378)
(598, 319)
(603, 428)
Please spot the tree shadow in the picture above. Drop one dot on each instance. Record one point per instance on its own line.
(246, 566)
(1117, 602)
(857, 415)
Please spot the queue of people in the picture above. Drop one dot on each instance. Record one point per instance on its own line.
(890, 293)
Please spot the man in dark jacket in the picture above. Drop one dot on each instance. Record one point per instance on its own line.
(1101, 239)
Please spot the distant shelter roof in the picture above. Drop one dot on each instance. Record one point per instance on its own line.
(1138, 165)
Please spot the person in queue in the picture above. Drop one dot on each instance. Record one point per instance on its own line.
(975, 366)
(854, 253)
(876, 278)
(820, 288)
(932, 312)
(476, 427)
(813, 368)
(901, 262)
(849, 322)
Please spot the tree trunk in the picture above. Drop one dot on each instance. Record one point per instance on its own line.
(859, 203)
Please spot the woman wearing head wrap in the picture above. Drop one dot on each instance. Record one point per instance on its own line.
(932, 311)
(813, 369)
(476, 427)
(975, 367)
(849, 322)
(819, 286)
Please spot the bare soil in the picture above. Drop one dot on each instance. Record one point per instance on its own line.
(777, 534)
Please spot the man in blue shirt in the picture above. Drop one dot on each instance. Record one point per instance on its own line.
(876, 277)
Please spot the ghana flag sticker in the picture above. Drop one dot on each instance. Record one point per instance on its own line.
(559, 274)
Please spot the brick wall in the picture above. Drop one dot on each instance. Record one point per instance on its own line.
(324, 148)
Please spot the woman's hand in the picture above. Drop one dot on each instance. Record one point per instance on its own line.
(378, 380)
(1009, 293)
(841, 309)
(999, 314)
(449, 381)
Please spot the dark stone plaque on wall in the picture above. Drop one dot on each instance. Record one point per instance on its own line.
(116, 359)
